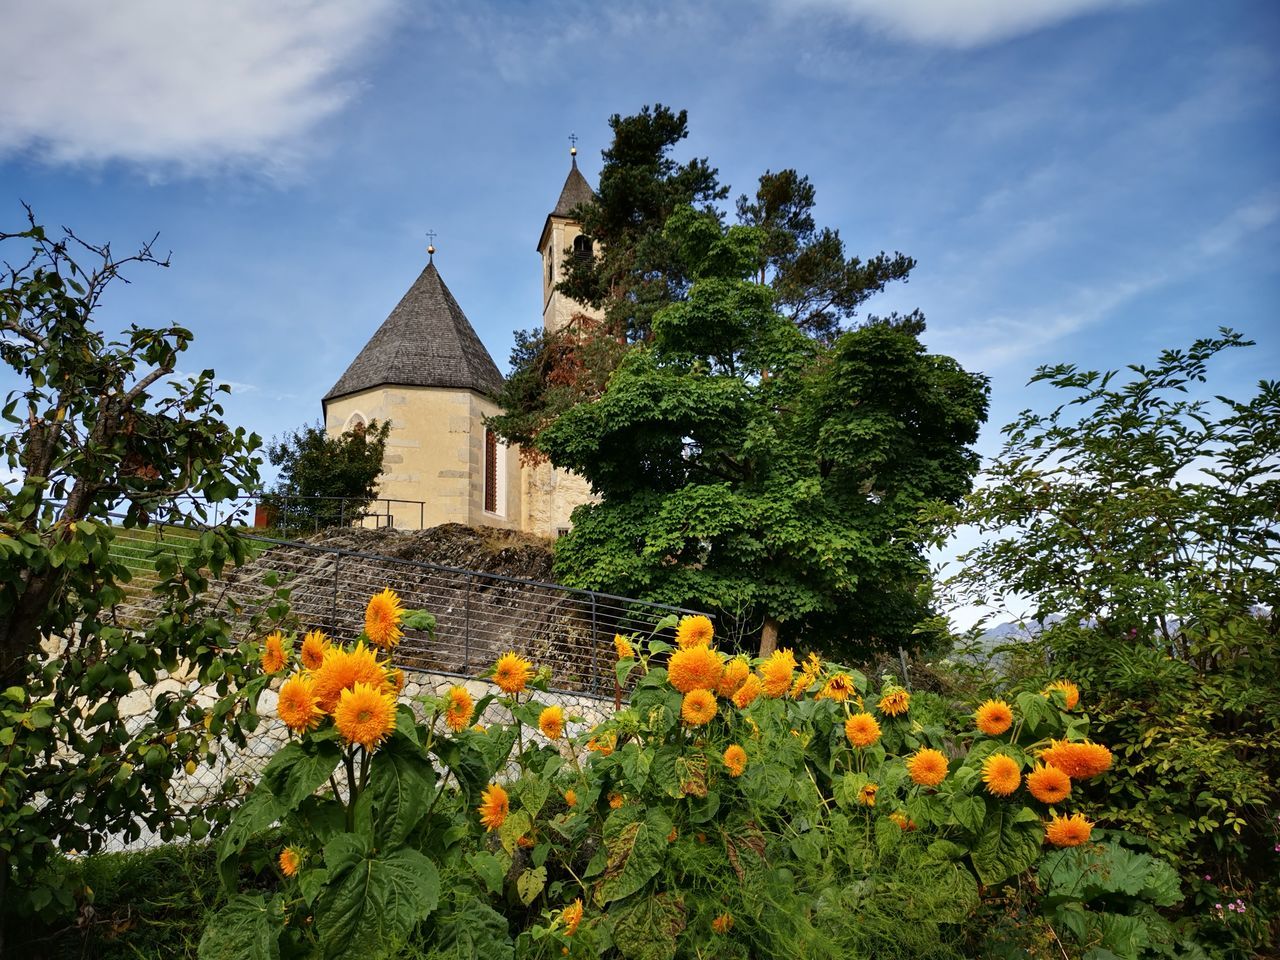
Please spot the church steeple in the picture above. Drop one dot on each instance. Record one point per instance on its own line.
(562, 236)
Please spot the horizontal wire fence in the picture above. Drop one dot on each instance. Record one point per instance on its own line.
(479, 616)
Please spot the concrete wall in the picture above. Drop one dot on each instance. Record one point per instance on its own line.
(550, 496)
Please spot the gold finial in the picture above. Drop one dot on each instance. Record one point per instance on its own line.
(573, 145)
(431, 247)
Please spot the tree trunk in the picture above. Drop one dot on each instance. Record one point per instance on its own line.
(769, 636)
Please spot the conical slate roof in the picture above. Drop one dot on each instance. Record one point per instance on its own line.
(576, 190)
(426, 341)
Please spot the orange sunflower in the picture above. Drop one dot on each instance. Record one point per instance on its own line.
(616, 800)
(622, 646)
(994, 717)
(551, 722)
(894, 702)
(735, 675)
(927, 767)
(722, 924)
(698, 707)
(1079, 761)
(867, 795)
(382, 619)
(735, 760)
(572, 916)
(1068, 831)
(1001, 774)
(314, 644)
(365, 715)
(905, 823)
(695, 668)
(603, 745)
(694, 632)
(273, 656)
(570, 798)
(1048, 784)
(296, 704)
(1070, 692)
(747, 693)
(775, 673)
(290, 861)
(512, 672)
(342, 669)
(494, 805)
(458, 709)
(839, 687)
(862, 730)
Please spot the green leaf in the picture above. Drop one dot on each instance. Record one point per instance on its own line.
(475, 931)
(1004, 847)
(299, 769)
(491, 869)
(530, 883)
(246, 928)
(401, 783)
(373, 899)
(636, 853)
(259, 810)
(647, 928)
(970, 812)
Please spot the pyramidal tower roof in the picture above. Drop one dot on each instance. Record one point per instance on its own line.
(576, 191)
(426, 341)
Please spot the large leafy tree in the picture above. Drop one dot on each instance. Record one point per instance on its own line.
(326, 481)
(747, 466)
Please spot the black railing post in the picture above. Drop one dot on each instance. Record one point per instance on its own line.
(466, 627)
(333, 619)
(421, 514)
(595, 642)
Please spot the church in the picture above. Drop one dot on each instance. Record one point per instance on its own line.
(426, 371)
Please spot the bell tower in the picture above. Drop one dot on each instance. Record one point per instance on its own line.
(561, 238)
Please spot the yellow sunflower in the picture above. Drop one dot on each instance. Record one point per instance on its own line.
(698, 707)
(314, 644)
(382, 619)
(775, 673)
(622, 646)
(494, 805)
(994, 717)
(722, 924)
(927, 767)
(894, 702)
(616, 800)
(512, 672)
(1048, 784)
(570, 798)
(1079, 761)
(572, 916)
(1069, 691)
(1068, 831)
(458, 709)
(905, 823)
(735, 760)
(694, 632)
(365, 715)
(290, 861)
(862, 730)
(273, 656)
(867, 795)
(735, 675)
(696, 668)
(551, 722)
(297, 705)
(343, 669)
(603, 745)
(839, 687)
(748, 692)
(1001, 774)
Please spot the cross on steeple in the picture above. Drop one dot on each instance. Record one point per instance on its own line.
(573, 148)
(431, 247)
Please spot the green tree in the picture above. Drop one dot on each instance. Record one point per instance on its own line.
(95, 426)
(326, 481)
(749, 467)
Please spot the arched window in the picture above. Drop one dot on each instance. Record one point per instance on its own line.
(582, 248)
(493, 476)
(355, 424)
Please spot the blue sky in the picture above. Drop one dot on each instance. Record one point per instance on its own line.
(1080, 180)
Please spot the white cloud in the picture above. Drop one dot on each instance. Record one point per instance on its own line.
(956, 23)
(189, 85)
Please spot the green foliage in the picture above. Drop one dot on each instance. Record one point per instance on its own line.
(94, 427)
(325, 481)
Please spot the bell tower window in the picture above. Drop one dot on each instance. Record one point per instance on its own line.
(582, 248)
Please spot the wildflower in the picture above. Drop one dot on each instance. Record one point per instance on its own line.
(297, 704)
(494, 806)
(458, 709)
(616, 800)
(695, 668)
(1001, 774)
(290, 861)
(1079, 761)
(735, 760)
(365, 715)
(570, 798)
(343, 669)
(838, 688)
(698, 707)
(694, 632)
(927, 767)
(273, 656)
(1068, 831)
(735, 675)
(1069, 690)
(775, 673)
(812, 668)
(382, 619)
(512, 672)
(314, 644)
(905, 823)
(747, 693)
(894, 702)
(622, 646)
(551, 722)
(603, 745)
(867, 795)
(572, 916)
(1048, 784)
(862, 730)
(994, 717)
(722, 924)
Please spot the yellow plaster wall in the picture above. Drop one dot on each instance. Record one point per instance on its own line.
(558, 310)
